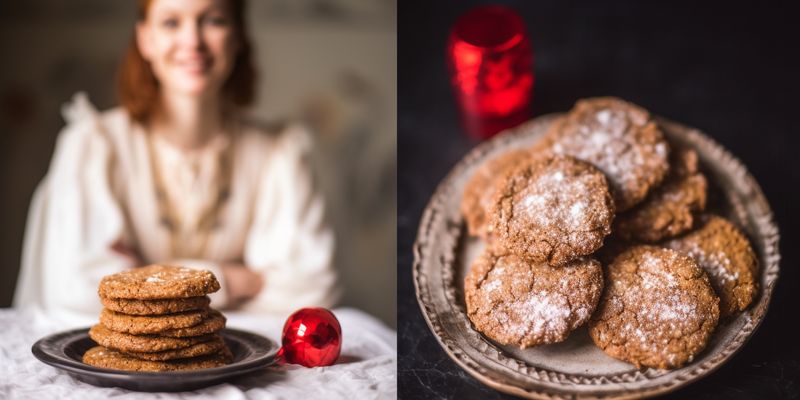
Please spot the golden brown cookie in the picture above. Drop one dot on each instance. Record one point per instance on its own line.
(214, 322)
(158, 282)
(658, 308)
(620, 139)
(479, 190)
(155, 307)
(145, 324)
(102, 357)
(551, 209)
(196, 350)
(141, 343)
(516, 302)
(726, 255)
(671, 208)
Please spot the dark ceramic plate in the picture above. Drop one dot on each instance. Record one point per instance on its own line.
(251, 352)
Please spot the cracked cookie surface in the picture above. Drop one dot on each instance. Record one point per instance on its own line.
(141, 343)
(155, 307)
(671, 208)
(479, 190)
(620, 139)
(551, 209)
(516, 302)
(658, 309)
(158, 282)
(146, 324)
(724, 252)
(214, 322)
(200, 349)
(103, 357)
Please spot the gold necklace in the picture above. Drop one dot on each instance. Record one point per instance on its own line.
(170, 219)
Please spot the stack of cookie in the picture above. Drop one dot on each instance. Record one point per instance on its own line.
(157, 318)
(601, 222)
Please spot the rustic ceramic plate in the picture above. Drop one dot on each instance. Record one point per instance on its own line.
(575, 367)
(251, 352)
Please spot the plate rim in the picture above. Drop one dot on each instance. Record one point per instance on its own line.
(770, 271)
(73, 366)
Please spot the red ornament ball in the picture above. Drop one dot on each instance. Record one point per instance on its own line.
(312, 337)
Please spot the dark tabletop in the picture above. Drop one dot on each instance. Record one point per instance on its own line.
(732, 71)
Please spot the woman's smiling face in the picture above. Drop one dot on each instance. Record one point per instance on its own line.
(190, 44)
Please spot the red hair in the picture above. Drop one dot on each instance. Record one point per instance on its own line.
(137, 86)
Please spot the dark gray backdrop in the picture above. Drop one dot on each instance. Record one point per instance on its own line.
(730, 69)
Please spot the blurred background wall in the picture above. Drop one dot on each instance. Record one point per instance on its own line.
(331, 63)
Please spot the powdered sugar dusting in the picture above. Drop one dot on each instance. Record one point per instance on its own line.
(557, 201)
(577, 210)
(174, 273)
(608, 140)
(531, 304)
(491, 286)
(659, 314)
(533, 202)
(583, 312)
(717, 264)
(538, 314)
(661, 317)
(655, 274)
(603, 116)
(661, 149)
(671, 308)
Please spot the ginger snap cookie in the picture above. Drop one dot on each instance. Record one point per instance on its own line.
(146, 324)
(551, 209)
(141, 343)
(478, 193)
(200, 349)
(214, 322)
(102, 357)
(516, 302)
(155, 307)
(158, 282)
(724, 252)
(157, 318)
(620, 139)
(658, 308)
(672, 207)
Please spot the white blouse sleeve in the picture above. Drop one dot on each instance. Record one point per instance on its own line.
(73, 221)
(289, 241)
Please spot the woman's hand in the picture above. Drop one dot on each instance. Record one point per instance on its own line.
(242, 283)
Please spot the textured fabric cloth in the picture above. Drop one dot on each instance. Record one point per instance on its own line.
(100, 191)
(367, 367)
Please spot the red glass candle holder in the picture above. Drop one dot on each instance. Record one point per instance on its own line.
(491, 65)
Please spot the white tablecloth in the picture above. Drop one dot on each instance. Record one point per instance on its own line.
(367, 368)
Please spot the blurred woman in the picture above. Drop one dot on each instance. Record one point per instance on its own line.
(178, 175)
